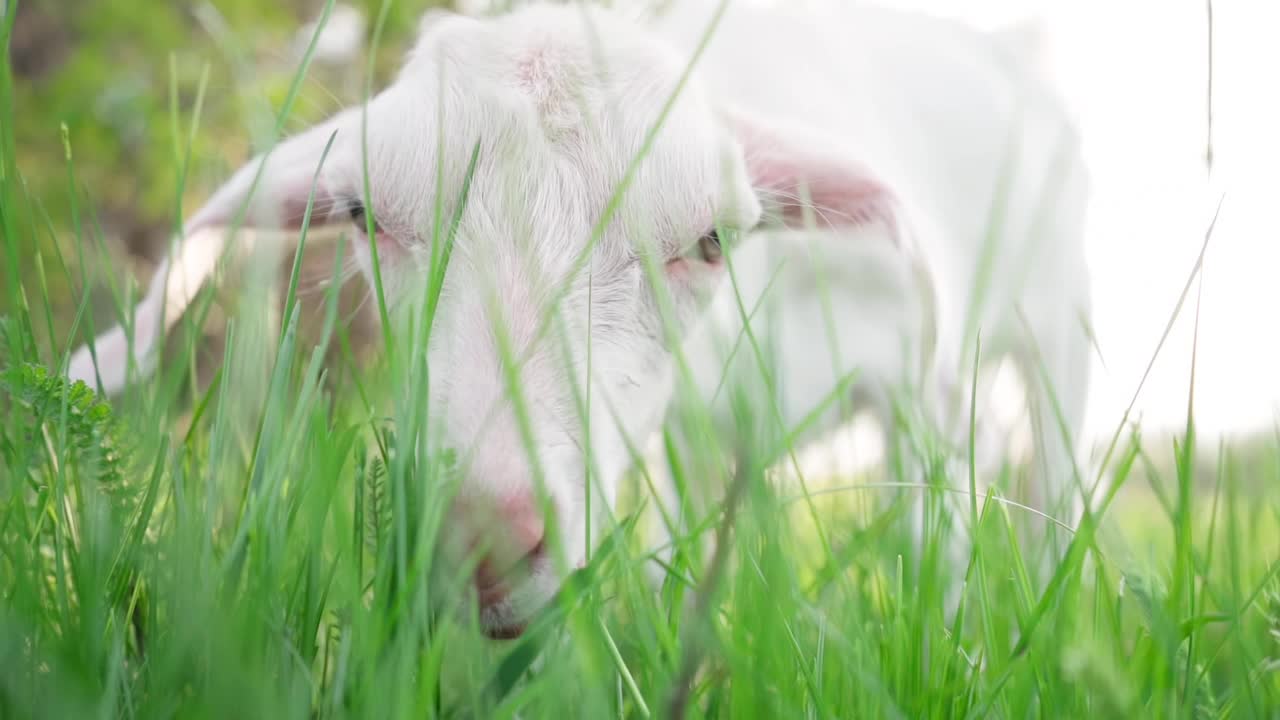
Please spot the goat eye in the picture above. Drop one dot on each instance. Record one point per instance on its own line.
(356, 209)
(709, 247)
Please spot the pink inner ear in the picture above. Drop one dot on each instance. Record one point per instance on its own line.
(809, 182)
(293, 207)
(278, 202)
(821, 194)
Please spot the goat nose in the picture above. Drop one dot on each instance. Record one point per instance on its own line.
(521, 516)
(518, 539)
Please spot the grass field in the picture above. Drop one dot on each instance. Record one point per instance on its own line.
(261, 546)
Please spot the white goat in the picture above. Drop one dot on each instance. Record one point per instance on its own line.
(878, 146)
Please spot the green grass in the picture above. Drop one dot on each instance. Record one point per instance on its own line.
(261, 546)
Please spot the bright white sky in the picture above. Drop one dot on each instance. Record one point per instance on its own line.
(1135, 73)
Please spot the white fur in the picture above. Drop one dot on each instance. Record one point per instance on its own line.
(559, 100)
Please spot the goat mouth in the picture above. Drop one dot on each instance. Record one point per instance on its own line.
(499, 622)
(505, 632)
(492, 594)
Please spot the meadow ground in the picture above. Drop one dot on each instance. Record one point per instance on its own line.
(259, 544)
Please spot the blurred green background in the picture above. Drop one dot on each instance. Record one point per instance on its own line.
(124, 77)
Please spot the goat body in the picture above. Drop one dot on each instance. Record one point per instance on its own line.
(905, 179)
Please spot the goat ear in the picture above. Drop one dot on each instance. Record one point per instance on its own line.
(285, 176)
(278, 200)
(805, 178)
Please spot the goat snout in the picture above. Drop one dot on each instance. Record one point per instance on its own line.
(511, 534)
